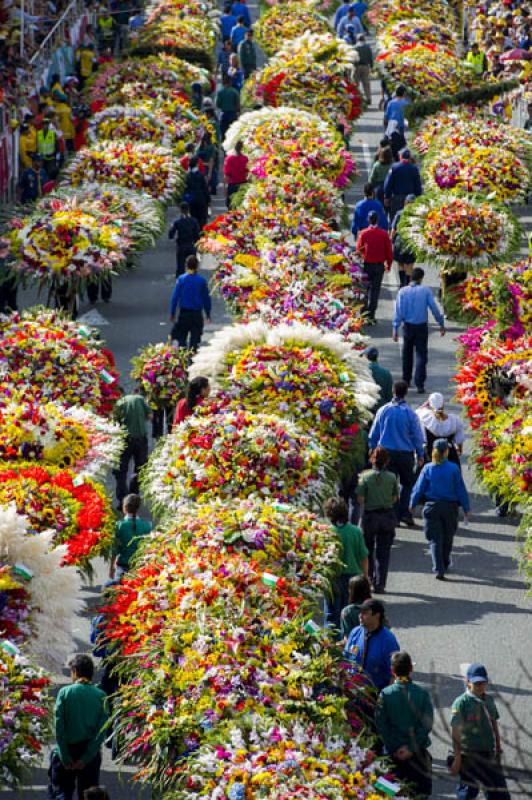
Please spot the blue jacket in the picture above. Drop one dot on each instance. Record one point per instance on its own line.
(227, 23)
(360, 217)
(376, 662)
(412, 305)
(395, 109)
(241, 10)
(341, 12)
(397, 427)
(440, 482)
(403, 178)
(191, 293)
(238, 34)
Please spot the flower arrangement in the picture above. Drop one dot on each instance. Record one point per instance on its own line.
(428, 69)
(386, 12)
(161, 370)
(236, 454)
(67, 244)
(74, 438)
(309, 192)
(285, 22)
(137, 125)
(413, 30)
(467, 127)
(76, 508)
(46, 356)
(136, 166)
(459, 232)
(191, 37)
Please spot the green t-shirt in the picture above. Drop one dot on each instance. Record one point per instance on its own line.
(128, 534)
(80, 715)
(377, 489)
(474, 716)
(349, 619)
(132, 412)
(227, 99)
(383, 379)
(354, 549)
(404, 716)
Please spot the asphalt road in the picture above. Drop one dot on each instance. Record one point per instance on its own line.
(479, 614)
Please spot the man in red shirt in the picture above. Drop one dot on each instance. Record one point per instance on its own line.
(375, 247)
(235, 171)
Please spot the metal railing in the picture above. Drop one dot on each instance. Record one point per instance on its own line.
(59, 34)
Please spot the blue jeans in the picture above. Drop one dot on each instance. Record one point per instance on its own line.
(440, 520)
(481, 770)
(415, 337)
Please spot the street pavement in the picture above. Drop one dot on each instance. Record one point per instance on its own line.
(480, 613)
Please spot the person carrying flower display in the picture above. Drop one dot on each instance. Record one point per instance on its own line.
(191, 294)
(186, 231)
(133, 412)
(370, 645)
(128, 535)
(354, 558)
(80, 718)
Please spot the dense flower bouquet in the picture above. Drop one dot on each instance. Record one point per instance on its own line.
(76, 508)
(161, 370)
(313, 72)
(136, 166)
(236, 454)
(191, 37)
(478, 169)
(467, 127)
(308, 192)
(285, 22)
(286, 760)
(412, 31)
(428, 69)
(63, 437)
(459, 232)
(68, 245)
(39, 595)
(386, 12)
(504, 463)
(135, 124)
(315, 378)
(45, 356)
(25, 710)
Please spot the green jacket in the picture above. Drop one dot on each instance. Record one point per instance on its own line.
(404, 716)
(80, 716)
(383, 379)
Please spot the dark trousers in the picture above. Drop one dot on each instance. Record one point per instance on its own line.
(481, 770)
(188, 329)
(104, 285)
(415, 338)
(199, 211)
(440, 520)
(231, 189)
(402, 464)
(8, 297)
(397, 203)
(379, 532)
(136, 450)
(374, 273)
(416, 771)
(333, 606)
(226, 119)
(181, 255)
(62, 782)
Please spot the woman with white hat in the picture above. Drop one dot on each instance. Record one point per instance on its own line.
(437, 423)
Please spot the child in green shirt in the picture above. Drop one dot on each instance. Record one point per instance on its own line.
(128, 535)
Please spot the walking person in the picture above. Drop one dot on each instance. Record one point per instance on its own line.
(197, 391)
(191, 294)
(378, 492)
(440, 424)
(404, 718)
(405, 257)
(186, 231)
(235, 171)
(380, 169)
(381, 376)
(354, 556)
(238, 32)
(412, 306)
(396, 427)
(395, 108)
(396, 138)
(375, 247)
(197, 192)
(476, 740)
(441, 488)
(128, 535)
(80, 718)
(247, 53)
(370, 645)
(228, 104)
(364, 66)
(362, 210)
(403, 179)
(359, 590)
(133, 412)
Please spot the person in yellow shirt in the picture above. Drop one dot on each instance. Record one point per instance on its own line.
(85, 59)
(64, 119)
(477, 59)
(55, 85)
(27, 145)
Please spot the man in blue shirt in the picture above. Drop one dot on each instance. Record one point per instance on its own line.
(363, 208)
(359, 8)
(412, 312)
(240, 9)
(397, 428)
(341, 12)
(370, 645)
(238, 32)
(227, 23)
(191, 294)
(402, 179)
(395, 108)
(349, 25)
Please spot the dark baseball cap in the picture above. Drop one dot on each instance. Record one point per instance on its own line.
(441, 445)
(371, 353)
(375, 606)
(477, 673)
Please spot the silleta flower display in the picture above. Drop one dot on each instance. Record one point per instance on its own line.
(162, 372)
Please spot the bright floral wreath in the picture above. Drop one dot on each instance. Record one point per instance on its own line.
(285, 22)
(25, 710)
(306, 191)
(477, 169)
(76, 508)
(414, 30)
(46, 356)
(236, 454)
(459, 232)
(299, 371)
(428, 69)
(67, 244)
(75, 438)
(162, 371)
(287, 760)
(135, 166)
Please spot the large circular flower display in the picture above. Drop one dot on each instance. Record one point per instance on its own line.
(236, 454)
(428, 69)
(412, 30)
(310, 192)
(137, 125)
(459, 232)
(285, 22)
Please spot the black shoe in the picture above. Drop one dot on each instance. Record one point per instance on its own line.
(421, 390)
(379, 590)
(440, 576)
(408, 521)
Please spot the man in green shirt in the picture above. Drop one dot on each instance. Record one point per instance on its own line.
(381, 376)
(404, 717)
(476, 740)
(228, 104)
(133, 413)
(354, 556)
(80, 719)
